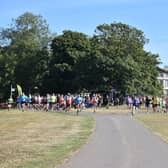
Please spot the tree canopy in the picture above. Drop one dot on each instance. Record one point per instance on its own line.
(112, 58)
(24, 49)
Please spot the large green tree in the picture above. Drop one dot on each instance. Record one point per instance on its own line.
(127, 64)
(7, 64)
(113, 58)
(27, 40)
(67, 49)
(27, 31)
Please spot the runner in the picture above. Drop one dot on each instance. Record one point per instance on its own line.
(94, 102)
(48, 102)
(163, 105)
(62, 102)
(78, 103)
(68, 102)
(29, 102)
(23, 101)
(129, 101)
(53, 101)
(166, 104)
(147, 103)
(154, 103)
(134, 105)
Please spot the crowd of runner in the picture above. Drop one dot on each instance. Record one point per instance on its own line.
(159, 104)
(60, 102)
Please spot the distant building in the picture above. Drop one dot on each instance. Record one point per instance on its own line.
(163, 79)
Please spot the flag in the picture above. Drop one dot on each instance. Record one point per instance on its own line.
(19, 90)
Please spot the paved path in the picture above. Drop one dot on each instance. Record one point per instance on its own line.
(120, 142)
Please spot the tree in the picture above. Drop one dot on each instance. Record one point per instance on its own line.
(113, 58)
(7, 64)
(67, 49)
(28, 30)
(122, 47)
(27, 40)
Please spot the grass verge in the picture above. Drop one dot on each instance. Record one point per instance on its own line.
(122, 109)
(157, 123)
(40, 139)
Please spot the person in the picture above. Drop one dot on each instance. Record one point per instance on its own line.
(100, 100)
(78, 101)
(10, 102)
(166, 100)
(19, 102)
(154, 103)
(23, 101)
(94, 102)
(106, 101)
(48, 102)
(163, 104)
(147, 103)
(29, 101)
(53, 101)
(129, 102)
(62, 102)
(134, 104)
(38, 102)
(68, 100)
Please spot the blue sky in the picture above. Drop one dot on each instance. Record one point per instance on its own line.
(150, 16)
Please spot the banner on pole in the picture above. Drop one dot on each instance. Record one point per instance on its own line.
(19, 90)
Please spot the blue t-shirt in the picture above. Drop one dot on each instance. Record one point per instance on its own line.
(19, 100)
(23, 98)
(135, 102)
(78, 100)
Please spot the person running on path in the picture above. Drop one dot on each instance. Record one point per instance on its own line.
(154, 103)
(166, 104)
(129, 101)
(53, 101)
(23, 101)
(78, 101)
(62, 102)
(147, 103)
(134, 104)
(68, 100)
(163, 104)
(94, 102)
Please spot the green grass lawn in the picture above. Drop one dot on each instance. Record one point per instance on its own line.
(157, 123)
(40, 139)
(122, 109)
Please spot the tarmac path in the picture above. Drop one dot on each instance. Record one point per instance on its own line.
(120, 142)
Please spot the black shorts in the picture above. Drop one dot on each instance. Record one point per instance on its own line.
(154, 105)
(147, 105)
(23, 102)
(68, 105)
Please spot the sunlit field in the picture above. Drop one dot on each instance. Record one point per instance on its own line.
(122, 109)
(40, 139)
(157, 123)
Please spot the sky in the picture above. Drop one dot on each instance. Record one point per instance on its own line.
(150, 16)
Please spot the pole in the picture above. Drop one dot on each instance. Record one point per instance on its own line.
(11, 91)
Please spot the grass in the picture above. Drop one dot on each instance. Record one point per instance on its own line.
(157, 123)
(40, 139)
(122, 109)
